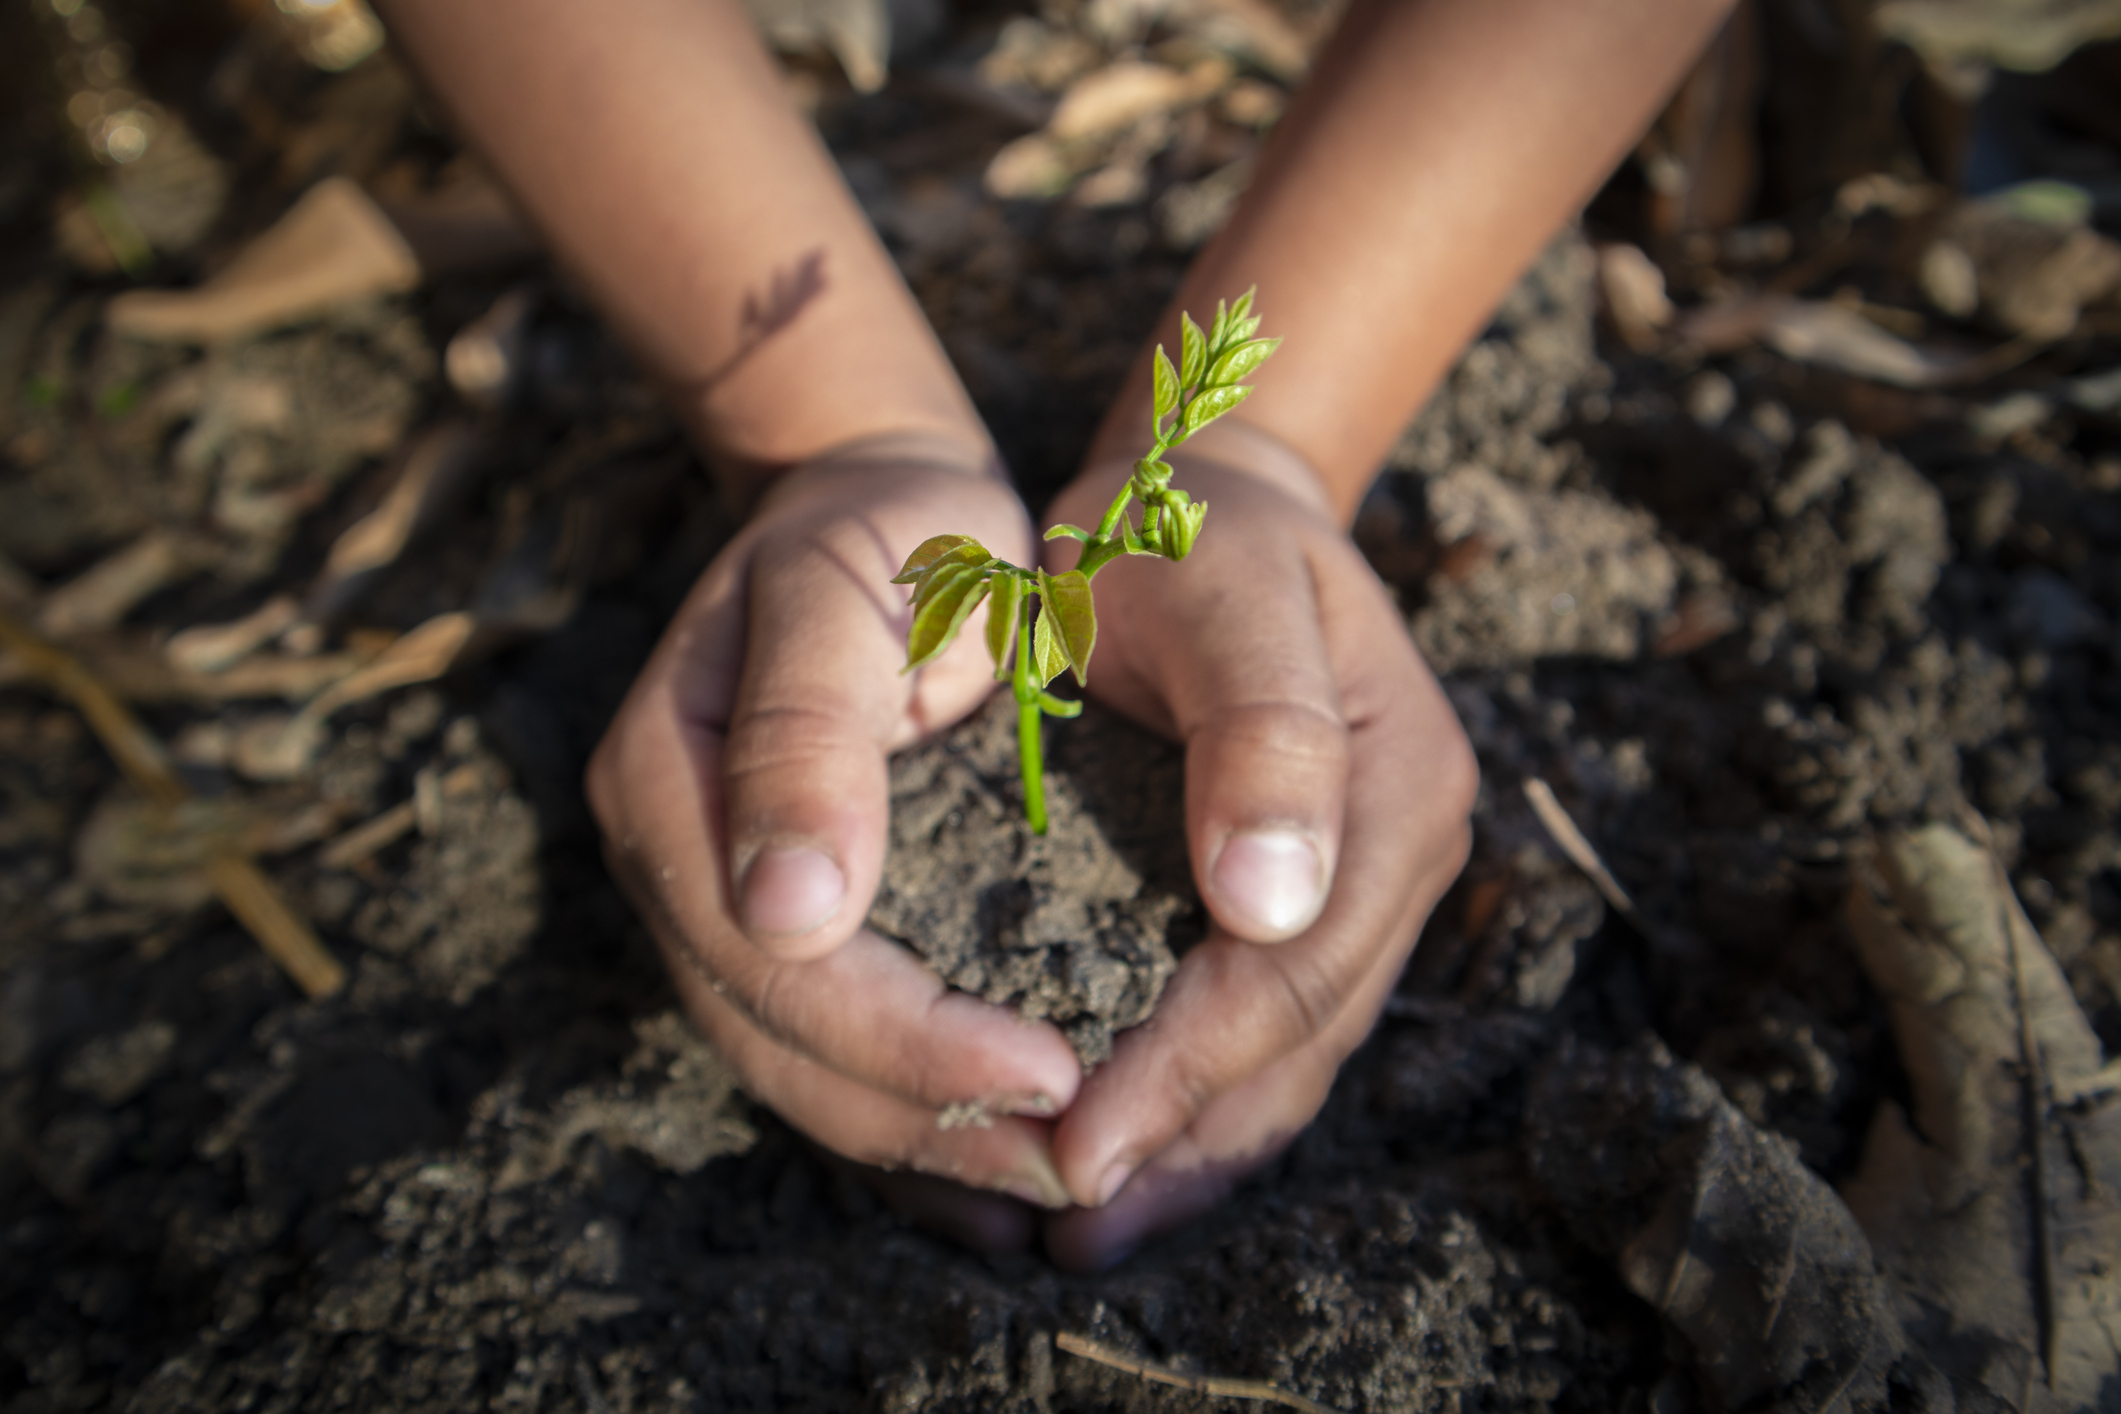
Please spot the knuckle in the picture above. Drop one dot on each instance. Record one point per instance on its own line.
(600, 786)
(785, 1012)
(1308, 995)
(1192, 1079)
(784, 745)
(1458, 770)
(1291, 730)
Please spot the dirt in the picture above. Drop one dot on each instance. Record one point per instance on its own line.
(1081, 927)
(1738, 612)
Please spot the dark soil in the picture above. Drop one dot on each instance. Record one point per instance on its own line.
(1737, 611)
(1080, 927)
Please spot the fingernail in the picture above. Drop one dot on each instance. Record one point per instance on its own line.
(1037, 1182)
(1272, 880)
(1115, 1179)
(791, 891)
(1036, 1105)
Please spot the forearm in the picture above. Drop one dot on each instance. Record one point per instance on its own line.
(1434, 151)
(651, 143)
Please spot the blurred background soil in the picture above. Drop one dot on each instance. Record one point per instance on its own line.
(1779, 505)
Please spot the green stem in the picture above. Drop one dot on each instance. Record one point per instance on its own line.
(1030, 753)
(1114, 511)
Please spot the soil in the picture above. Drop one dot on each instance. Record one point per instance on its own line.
(1082, 926)
(1738, 611)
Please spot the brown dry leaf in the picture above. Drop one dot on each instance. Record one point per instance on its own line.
(333, 247)
(2027, 35)
(1032, 167)
(101, 596)
(2000, 1234)
(1720, 1226)
(280, 751)
(857, 33)
(1631, 289)
(2033, 277)
(146, 855)
(1834, 336)
(213, 648)
(1116, 97)
(438, 467)
(486, 359)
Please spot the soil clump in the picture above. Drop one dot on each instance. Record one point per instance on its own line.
(1081, 927)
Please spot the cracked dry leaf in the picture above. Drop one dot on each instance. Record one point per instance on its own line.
(2001, 1236)
(1719, 1225)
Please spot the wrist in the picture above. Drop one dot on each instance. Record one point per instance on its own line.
(874, 463)
(967, 452)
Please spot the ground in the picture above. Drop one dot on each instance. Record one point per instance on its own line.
(1741, 610)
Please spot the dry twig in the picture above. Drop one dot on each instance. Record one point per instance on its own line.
(242, 886)
(1216, 1386)
(1580, 852)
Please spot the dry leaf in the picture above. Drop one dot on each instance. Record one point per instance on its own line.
(2001, 1235)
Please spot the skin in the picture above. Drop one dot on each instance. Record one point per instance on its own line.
(742, 786)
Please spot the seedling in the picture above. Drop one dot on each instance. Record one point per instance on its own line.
(952, 574)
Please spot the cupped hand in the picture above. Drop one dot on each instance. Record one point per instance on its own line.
(1328, 789)
(743, 794)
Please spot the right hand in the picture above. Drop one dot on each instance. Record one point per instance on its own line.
(743, 793)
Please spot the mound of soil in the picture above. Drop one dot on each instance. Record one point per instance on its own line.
(1081, 926)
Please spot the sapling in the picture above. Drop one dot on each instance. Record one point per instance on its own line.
(1040, 625)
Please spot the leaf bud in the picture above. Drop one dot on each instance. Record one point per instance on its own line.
(1179, 525)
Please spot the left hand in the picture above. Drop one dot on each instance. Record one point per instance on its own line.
(1328, 789)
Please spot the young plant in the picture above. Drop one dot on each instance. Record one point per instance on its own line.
(952, 574)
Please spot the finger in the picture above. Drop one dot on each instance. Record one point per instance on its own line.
(874, 1012)
(1004, 1154)
(1255, 699)
(870, 1010)
(1240, 1130)
(1233, 1008)
(807, 790)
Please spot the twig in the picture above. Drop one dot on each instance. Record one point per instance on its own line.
(1580, 853)
(364, 840)
(1216, 1386)
(249, 895)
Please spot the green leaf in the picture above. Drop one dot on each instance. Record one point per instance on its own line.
(1166, 385)
(957, 557)
(1240, 362)
(1193, 351)
(1067, 532)
(1001, 620)
(1213, 404)
(1049, 657)
(953, 593)
(1218, 331)
(1067, 600)
(1243, 308)
(927, 553)
(1243, 329)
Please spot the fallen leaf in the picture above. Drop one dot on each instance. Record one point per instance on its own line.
(1996, 1212)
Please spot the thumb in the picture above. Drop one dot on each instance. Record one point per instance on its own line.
(806, 788)
(1255, 699)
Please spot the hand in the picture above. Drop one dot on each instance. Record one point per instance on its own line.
(1328, 789)
(744, 798)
